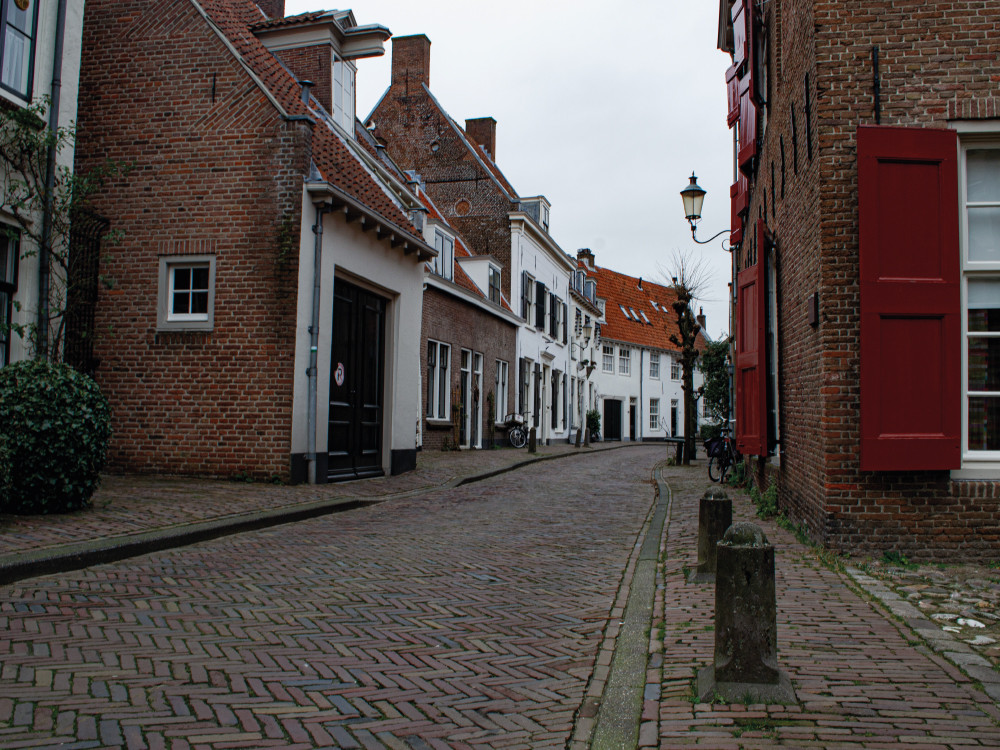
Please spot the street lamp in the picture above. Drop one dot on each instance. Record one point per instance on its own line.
(694, 196)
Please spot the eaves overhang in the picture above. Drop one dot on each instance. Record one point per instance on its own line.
(324, 193)
(464, 294)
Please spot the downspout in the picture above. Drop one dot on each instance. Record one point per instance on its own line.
(321, 209)
(44, 272)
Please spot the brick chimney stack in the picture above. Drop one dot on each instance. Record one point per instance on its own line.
(483, 131)
(411, 62)
(587, 257)
(272, 8)
(700, 317)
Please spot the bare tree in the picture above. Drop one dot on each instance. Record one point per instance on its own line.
(689, 277)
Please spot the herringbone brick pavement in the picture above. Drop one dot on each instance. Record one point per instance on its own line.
(464, 618)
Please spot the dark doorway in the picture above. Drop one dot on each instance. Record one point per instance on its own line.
(612, 419)
(356, 384)
(632, 421)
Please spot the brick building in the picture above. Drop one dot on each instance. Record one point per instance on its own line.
(458, 166)
(265, 307)
(867, 266)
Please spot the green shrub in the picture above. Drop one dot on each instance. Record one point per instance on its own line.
(594, 421)
(6, 471)
(57, 426)
(709, 431)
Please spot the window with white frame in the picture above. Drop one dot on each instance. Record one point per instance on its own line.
(444, 263)
(608, 363)
(495, 284)
(186, 293)
(500, 391)
(17, 45)
(527, 296)
(9, 246)
(654, 365)
(624, 361)
(654, 414)
(343, 94)
(438, 391)
(981, 294)
(675, 369)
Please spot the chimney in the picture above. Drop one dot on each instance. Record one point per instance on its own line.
(483, 131)
(700, 317)
(640, 283)
(411, 62)
(586, 256)
(272, 8)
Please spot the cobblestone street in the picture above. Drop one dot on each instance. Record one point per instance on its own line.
(471, 616)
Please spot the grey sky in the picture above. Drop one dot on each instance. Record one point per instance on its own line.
(603, 108)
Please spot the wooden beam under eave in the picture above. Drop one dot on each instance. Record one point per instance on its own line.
(408, 249)
(395, 241)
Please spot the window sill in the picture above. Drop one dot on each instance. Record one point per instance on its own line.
(438, 423)
(989, 471)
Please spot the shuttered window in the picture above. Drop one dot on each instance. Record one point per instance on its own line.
(540, 295)
(751, 345)
(910, 373)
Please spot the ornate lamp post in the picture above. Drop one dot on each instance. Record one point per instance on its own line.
(694, 196)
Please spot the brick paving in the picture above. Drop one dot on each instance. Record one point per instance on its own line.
(861, 680)
(466, 617)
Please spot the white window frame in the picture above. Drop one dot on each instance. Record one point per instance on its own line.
(528, 297)
(444, 264)
(654, 365)
(436, 410)
(166, 318)
(654, 414)
(676, 371)
(975, 464)
(25, 63)
(624, 361)
(501, 391)
(495, 275)
(343, 97)
(607, 358)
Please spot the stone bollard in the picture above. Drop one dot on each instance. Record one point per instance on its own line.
(532, 442)
(715, 515)
(745, 667)
(586, 438)
(578, 436)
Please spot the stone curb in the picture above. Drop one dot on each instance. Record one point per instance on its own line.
(957, 652)
(64, 558)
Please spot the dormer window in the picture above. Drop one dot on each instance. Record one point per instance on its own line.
(495, 284)
(444, 263)
(545, 217)
(343, 93)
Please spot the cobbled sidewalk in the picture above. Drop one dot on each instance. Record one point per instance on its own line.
(862, 678)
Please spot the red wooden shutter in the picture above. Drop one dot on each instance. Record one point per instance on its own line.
(751, 346)
(739, 200)
(748, 127)
(910, 306)
(733, 95)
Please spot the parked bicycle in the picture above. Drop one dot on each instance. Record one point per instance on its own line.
(517, 432)
(722, 456)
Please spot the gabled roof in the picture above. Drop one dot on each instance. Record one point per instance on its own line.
(654, 321)
(336, 165)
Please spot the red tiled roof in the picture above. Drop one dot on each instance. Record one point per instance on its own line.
(235, 18)
(270, 23)
(622, 291)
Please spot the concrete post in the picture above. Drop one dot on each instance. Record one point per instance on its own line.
(586, 438)
(715, 516)
(745, 667)
(579, 432)
(532, 442)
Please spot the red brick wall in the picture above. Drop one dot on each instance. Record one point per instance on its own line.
(938, 60)
(215, 169)
(448, 319)
(313, 64)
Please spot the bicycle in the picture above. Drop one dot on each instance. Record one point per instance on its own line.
(722, 456)
(517, 434)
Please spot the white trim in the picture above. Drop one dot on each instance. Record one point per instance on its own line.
(165, 319)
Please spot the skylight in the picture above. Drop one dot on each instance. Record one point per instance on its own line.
(625, 312)
(643, 314)
(635, 317)
(653, 303)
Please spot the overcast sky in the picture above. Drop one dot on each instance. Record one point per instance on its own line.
(603, 108)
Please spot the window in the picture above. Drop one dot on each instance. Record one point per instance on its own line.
(675, 370)
(981, 287)
(186, 293)
(343, 94)
(438, 392)
(19, 19)
(443, 264)
(554, 308)
(654, 365)
(495, 284)
(8, 285)
(540, 295)
(524, 376)
(527, 296)
(654, 414)
(624, 361)
(608, 365)
(500, 391)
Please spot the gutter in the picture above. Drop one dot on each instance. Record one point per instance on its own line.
(44, 271)
(311, 371)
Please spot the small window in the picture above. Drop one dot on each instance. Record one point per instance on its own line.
(675, 370)
(625, 312)
(654, 414)
(18, 45)
(608, 363)
(495, 284)
(438, 392)
(187, 293)
(527, 296)
(443, 264)
(643, 314)
(343, 94)
(500, 392)
(624, 361)
(8, 285)
(654, 365)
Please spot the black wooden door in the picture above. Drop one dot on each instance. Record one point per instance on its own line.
(356, 384)
(612, 419)
(632, 420)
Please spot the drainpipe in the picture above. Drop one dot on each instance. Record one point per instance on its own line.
(44, 272)
(321, 209)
